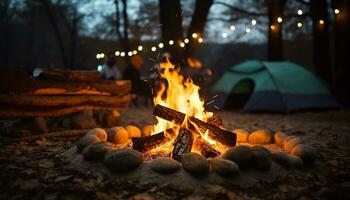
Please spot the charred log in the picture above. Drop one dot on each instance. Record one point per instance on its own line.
(182, 144)
(151, 142)
(206, 149)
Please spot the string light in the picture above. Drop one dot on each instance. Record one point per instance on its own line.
(279, 19)
(171, 42)
(140, 47)
(194, 35)
(98, 56)
(153, 48)
(117, 53)
(130, 53)
(272, 27)
(299, 24)
(102, 55)
(182, 44)
(232, 28)
(186, 40)
(200, 40)
(247, 30)
(160, 45)
(253, 22)
(224, 35)
(134, 52)
(336, 11)
(122, 54)
(321, 21)
(300, 12)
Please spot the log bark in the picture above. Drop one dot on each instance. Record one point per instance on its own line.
(66, 75)
(151, 142)
(182, 144)
(224, 137)
(206, 149)
(65, 101)
(18, 81)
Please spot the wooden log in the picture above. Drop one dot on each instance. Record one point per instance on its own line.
(182, 144)
(206, 149)
(215, 120)
(20, 111)
(18, 81)
(223, 136)
(151, 142)
(66, 100)
(67, 75)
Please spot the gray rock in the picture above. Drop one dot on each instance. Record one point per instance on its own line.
(165, 165)
(242, 135)
(296, 161)
(242, 155)
(81, 120)
(40, 125)
(289, 144)
(99, 132)
(224, 167)
(260, 137)
(87, 140)
(289, 161)
(107, 117)
(118, 135)
(97, 151)
(262, 158)
(195, 164)
(147, 130)
(279, 138)
(123, 160)
(307, 153)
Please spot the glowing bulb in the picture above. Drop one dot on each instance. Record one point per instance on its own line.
(194, 35)
(336, 11)
(186, 40)
(224, 35)
(299, 24)
(171, 42)
(160, 45)
(300, 12)
(232, 28)
(100, 68)
(272, 27)
(279, 19)
(130, 53)
(117, 53)
(122, 54)
(321, 22)
(253, 22)
(98, 56)
(182, 44)
(140, 48)
(102, 55)
(134, 52)
(153, 48)
(247, 30)
(200, 40)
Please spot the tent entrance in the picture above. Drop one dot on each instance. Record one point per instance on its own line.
(239, 94)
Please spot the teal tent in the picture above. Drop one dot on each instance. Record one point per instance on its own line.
(273, 86)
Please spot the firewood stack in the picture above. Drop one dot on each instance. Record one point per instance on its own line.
(57, 92)
(187, 138)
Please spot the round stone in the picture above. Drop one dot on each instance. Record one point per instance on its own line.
(296, 161)
(147, 130)
(87, 140)
(242, 155)
(164, 165)
(279, 137)
(289, 161)
(122, 160)
(97, 151)
(224, 167)
(133, 131)
(99, 132)
(262, 158)
(118, 135)
(260, 137)
(291, 143)
(242, 135)
(307, 153)
(195, 164)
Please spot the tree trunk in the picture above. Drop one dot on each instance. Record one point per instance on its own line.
(321, 46)
(341, 50)
(171, 27)
(275, 38)
(197, 24)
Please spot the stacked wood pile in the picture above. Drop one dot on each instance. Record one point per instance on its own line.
(56, 92)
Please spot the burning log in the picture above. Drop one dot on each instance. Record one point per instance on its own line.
(206, 149)
(223, 136)
(215, 120)
(148, 143)
(182, 144)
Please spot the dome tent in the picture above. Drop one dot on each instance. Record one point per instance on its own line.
(278, 87)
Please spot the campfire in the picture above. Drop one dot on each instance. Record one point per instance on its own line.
(183, 125)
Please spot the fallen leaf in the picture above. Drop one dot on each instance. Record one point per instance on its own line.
(62, 178)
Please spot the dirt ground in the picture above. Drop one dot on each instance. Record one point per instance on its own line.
(38, 170)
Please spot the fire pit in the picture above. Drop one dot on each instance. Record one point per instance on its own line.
(188, 136)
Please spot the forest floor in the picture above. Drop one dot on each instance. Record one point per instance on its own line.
(38, 169)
